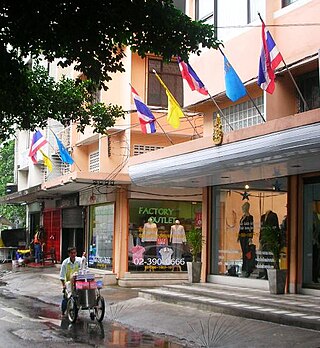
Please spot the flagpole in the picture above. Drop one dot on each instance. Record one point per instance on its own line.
(254, 104)
(194, 128)
(172, 97)
(74, 162)
(164, 132)
(296, 86)
(291, 76)
(211, 97)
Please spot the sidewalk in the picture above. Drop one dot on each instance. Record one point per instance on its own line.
(184, 312)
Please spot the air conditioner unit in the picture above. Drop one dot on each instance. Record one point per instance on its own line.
(11, 188)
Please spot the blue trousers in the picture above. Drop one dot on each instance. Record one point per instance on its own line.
(37, 252)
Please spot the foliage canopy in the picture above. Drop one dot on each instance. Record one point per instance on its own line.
(92, 37)
(12, 212)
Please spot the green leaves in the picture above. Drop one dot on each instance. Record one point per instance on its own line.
(90, 36)
(9, 211)
(273, 239)
(66, 100)
(194, 241)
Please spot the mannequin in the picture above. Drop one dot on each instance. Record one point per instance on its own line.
(150, 231)
(268, 219)
(177, 238)
(245, 237)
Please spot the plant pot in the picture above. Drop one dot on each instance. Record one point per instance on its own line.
(194, 271)
(277, 280)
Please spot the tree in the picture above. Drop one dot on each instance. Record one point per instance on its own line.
(9, 211)
(91, 36)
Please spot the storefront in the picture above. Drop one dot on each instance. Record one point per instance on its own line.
(238, 220)
(157, 234)
(101, 236)
(311, 233)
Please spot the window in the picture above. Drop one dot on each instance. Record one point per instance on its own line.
(287, 2)
(205, 10)
(140, 149)
(101, 236)
(228, 15)
(255, 7)
(94, 165)
(242, 115)
(235, 221)
(155, 243)
(180, 5)
(309, 87)
(170, 75)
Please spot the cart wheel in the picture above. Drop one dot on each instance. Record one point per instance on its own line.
(72, 310)
(100, 308)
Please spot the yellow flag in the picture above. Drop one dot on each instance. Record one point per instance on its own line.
(174, 110)
(46, 161)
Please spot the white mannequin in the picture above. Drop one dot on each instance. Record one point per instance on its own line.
(177, 238)
(150, 231)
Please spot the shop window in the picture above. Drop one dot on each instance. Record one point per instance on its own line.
(170, 75)
(156, 239)
(309, 87)
(311, 233)
(94, 162)
(101, 236)
(140, 149)
(238, 226)
(242, 115)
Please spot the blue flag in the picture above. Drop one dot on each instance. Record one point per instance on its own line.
(234, 87)
(64, 154)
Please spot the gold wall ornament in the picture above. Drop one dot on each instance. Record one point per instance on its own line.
(217, 131)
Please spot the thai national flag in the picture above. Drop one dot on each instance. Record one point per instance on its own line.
(38, 141)
(191, 77)
(270, 58)
(146, 118)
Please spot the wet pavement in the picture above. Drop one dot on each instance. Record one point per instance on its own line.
(133, 321)
(85, 332)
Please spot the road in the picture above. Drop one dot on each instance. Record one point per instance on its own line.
(25, 322)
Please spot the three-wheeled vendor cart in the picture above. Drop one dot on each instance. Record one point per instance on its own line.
(85, 294)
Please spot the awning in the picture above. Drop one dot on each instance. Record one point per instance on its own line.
(287, 152)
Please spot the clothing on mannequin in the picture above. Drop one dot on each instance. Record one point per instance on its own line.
(166, 254)
(177, 238)
(149, 232)
(245, 237)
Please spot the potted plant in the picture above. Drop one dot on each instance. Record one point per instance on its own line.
(273, 240)
(194, 242)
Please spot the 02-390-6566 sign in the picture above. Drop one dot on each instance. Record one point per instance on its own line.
(157, 262)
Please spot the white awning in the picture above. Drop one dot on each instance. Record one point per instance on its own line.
(288, 152)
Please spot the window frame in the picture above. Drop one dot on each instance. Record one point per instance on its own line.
(160, 99)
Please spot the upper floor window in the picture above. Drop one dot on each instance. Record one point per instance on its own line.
(287, 2)
(140, 149)
(180, 5)
(205, 10)
(309, 87)
(170, 75)
(228, 15)
(94, 163)
(242, 115)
